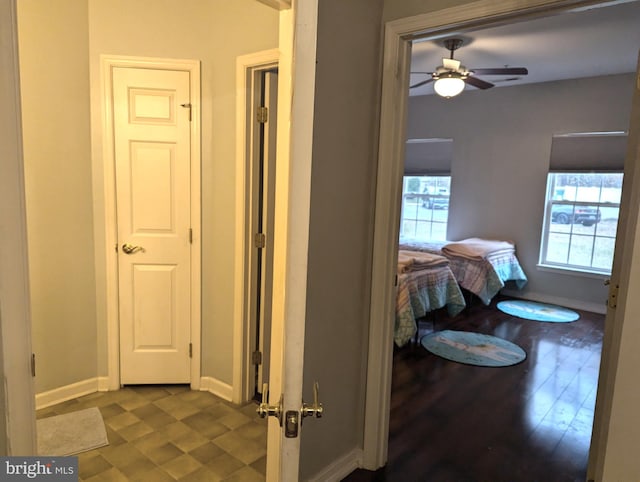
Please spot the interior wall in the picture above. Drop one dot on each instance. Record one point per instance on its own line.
(341, 226)
(214, 32)
(395, 9)
(501, 151)
(54, 70)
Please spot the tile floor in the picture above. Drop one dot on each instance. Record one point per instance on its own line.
(165, 433)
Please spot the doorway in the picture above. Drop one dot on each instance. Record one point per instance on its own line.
(264, 163)
(394, 114)
(257, 81)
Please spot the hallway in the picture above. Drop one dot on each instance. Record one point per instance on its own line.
(166, 433)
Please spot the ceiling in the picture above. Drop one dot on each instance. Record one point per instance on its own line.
(593, 42)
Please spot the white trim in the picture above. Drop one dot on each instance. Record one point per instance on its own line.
(17, 403)
(278, 4)
(246, 66)
(103, 384)
(600, 308)
(217, 387)
(67, 392)
(340, 468)
(573, 271)
(107, 63)
(391, 148)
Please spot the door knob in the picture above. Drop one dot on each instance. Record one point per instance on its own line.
(316, 409)
(130, 249)
(266, 410)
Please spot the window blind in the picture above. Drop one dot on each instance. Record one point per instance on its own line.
(428, 157)
(598, 152)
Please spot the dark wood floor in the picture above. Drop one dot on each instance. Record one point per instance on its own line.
(528, 422)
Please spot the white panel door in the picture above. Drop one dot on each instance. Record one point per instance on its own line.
(152, 157)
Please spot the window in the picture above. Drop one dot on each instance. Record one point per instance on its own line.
(425, 207)
(581, 219)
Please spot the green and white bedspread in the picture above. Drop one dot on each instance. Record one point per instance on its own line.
(482, 277)
(420, 292)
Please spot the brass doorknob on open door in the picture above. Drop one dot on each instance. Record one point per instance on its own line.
(266, 410)
(316, 409)
(131, 249)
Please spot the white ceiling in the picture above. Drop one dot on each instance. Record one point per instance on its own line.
(594, 42)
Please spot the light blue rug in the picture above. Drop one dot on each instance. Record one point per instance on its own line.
(531, 310)
(473, 348)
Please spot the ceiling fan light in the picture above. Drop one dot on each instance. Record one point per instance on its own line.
(449, 86)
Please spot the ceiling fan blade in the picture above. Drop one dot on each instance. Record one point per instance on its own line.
(479, 83)
(419, 84)
(451, 64)
(502, 71)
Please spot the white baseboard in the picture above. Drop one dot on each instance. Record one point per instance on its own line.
(218, 388)
(103, 384)
(68, 392)
(599, 308)
(340, 468)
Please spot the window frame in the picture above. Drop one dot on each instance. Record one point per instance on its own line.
(543, 261)
(421, 196)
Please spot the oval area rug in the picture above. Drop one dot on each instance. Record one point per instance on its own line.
(531, 310)
(473, 348)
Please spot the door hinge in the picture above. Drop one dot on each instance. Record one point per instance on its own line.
(256, 358)
(395, 281)
(262, 115)
(190, 236)
(190, 350)
(33, 364)
(187, 106)
(260, 240)
(613, 296)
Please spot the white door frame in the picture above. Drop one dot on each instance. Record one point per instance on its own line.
(17, 395)
(247, 67)
(107, 63)
(394, 101)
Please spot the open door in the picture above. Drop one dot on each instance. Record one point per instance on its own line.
(263, 217)
(610, 452)
(291, 234)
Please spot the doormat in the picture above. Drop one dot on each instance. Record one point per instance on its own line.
(531, 310)
(71, 433)
(473, 348)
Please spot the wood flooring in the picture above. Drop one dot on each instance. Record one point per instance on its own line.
(528, 422)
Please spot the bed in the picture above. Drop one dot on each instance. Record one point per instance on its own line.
(423, 287)
(482, 272)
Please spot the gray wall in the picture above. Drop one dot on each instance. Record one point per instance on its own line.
(501, 148)
(341, 226)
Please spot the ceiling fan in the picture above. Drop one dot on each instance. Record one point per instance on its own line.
(450, 77)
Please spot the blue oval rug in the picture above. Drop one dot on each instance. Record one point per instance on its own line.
(473, 348)
(531, 310)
